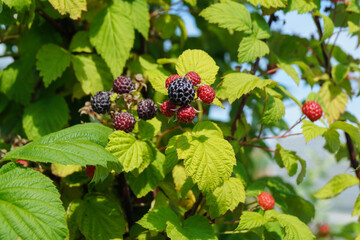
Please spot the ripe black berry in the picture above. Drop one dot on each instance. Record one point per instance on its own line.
(124, 121)
(123, 84)
(100, 102)
(181, 91)
(146, 109)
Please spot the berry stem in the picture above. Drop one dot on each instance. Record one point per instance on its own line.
(274, 137)
(298, 121)
(162, 134)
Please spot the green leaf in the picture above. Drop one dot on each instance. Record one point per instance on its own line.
(61, 170)
(287, 159)
(138, 12)
(30, 205)
(311, 131)
(251, 220)
(81, 42)
(350, 129)
(225, 197)
(356, 210)
(191, 2)
(199, 62)
(208, 158)
(45, 116)
(52, 61)
(269, 3)
(112, 40)
(336, 185)
(71, 7)
(150, 177)
(328, 26)
(353, 28)
(129, 151)
(19, 5)
(195, 227)
(229, 15)
(335, 101)
(339, 72)
(17, 81)
(156, 219)
(332, 138)
(290, 70)
(302, 6)
(93, 132)
(274, 111)
(261, 29)
(294, 228)
(238, 84)
(353, 7)
(100, 218)
(81, 152)
(251, 48)
(148, 128)
(92, 73)
(302, 173)
(157, 78)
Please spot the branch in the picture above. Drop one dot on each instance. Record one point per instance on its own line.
(324, 50)
(192, 211)
(245, 97)
(127, 204)
(352, 155)
(57, 25)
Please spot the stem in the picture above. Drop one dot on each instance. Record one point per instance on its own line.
(298, 121)
(192, 211)
(273, 70)
(58, 26)
(125, 191)
(228, 232)
(336, 38)
(161, 135)
(263, 148)
(352, 155)
(324, 50)
(274, 137)
(263, 112)
(239, 112)
(246, 96)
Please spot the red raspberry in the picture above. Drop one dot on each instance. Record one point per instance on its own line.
(170, 79)
(186, 114)
(124, 121)
(194, 77)
(206, 94)
(168, 109)
(90, 171)
(23, 162)
(266, 201)
(324, 230)
(312, 110)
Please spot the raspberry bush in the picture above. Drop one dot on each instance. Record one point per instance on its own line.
(107, 119)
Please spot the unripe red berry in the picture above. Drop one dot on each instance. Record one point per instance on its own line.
(312, 110)
(90, 171)
(186, 114)
(206, 94)
(170, 79)
(168, 109)
(266, 201)
(23, 162)
(194, 78)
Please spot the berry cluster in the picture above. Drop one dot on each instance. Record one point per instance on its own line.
(101, 102)
(181, 91)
